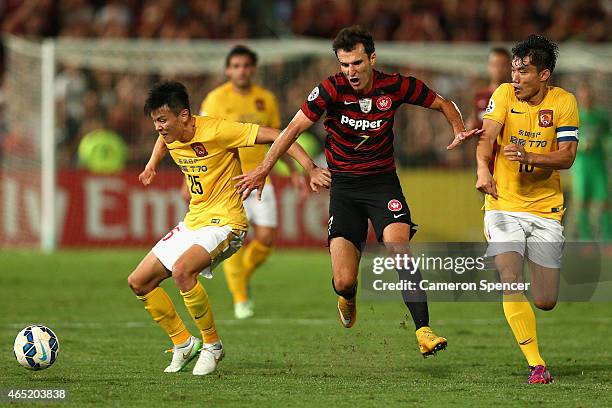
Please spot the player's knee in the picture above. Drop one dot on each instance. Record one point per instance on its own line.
(265, 236)
(182, 272)
(266, 239)
(545, 304)
(138, 286)
(344, 284)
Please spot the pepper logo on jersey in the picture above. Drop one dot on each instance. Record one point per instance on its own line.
(365, 104)
(545, 117)
(260, 104)
(383, 103)
(313, 94)
(394, 205)
(360, 124)
(199, 149)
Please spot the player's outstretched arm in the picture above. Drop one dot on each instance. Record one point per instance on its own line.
(453, 115)
(563, 158)
(283, 142)
(158, 153)
(484, 152)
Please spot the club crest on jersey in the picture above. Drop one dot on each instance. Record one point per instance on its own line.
(545, 117)
(199, 149)
(313, 94)
(260, 104)
(383, 103)
(394, 205)
(365, 104)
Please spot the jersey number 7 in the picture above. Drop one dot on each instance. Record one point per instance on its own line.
(365, 139)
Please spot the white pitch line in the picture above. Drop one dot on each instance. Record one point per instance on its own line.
(304, 322)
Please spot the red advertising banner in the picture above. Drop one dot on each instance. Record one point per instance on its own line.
(116, 210)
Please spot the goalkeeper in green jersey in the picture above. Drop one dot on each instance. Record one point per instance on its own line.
(589, 173)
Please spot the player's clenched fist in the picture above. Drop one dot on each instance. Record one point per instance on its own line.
(514, 152)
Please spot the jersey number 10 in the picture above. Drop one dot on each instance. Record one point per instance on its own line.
(527, 168)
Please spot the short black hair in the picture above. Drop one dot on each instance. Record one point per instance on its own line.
(241, 50)
(501, 51)
(541, 51)
(171, 93)
(348, 38)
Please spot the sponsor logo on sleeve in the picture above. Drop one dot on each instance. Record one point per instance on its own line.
(313, 94)
(490, 107)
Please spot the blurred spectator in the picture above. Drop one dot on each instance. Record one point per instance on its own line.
(405, 20)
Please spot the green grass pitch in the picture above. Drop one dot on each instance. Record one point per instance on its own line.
(294, 353)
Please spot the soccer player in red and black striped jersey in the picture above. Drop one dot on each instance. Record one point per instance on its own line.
(360, 104)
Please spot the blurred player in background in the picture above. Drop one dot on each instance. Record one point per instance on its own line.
(240, 100)
(214, 227)
(589, 173)
(536, 128)
(360, 103)
(498, 69)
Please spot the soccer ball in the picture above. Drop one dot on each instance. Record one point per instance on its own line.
(36, 347)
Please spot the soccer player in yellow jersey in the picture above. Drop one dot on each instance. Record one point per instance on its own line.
(214, 227)
(536, 128)
(242, 101)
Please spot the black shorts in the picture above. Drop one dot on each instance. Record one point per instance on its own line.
(355, 199)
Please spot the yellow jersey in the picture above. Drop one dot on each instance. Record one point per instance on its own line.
(522, 187)
(209, 161)
(257, 106)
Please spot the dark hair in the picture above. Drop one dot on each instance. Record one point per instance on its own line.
(241, 50)
(501, 51)
(171, 93)
(541, 52)
(348, 38)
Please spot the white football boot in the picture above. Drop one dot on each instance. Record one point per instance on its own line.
(181, 356)
(244, 310)
(210, 355)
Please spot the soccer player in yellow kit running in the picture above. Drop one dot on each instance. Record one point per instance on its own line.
(240, 100)
(536, 128)
(214, 227)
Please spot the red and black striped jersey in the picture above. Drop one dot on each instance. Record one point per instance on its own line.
(360, 127)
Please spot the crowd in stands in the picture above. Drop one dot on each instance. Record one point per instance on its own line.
(89, 100)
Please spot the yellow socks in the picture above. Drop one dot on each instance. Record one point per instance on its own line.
(240, 266)
(234, 275)
(522, 321)
(254, 254)
(160, 307)
(197, 303)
